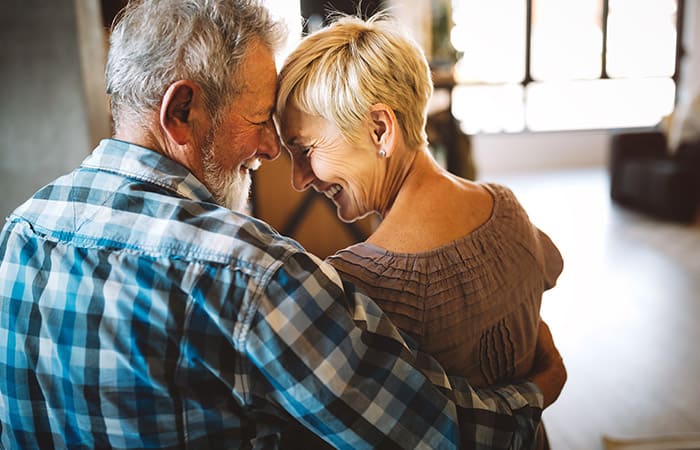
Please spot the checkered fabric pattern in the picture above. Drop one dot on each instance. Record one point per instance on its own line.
(136, 313)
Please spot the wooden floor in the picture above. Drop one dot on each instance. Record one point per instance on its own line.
(625, 313)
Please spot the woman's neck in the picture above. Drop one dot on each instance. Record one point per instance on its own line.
(413, 174)
(413, 206)
(399, 165)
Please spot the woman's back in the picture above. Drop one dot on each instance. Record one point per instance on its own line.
(473, 302)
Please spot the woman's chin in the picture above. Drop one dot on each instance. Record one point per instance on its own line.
(345, 216)
(351, 216)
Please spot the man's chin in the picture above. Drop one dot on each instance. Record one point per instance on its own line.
(230, 189)
(236, 193)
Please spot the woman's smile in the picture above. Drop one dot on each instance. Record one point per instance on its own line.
(332, 191)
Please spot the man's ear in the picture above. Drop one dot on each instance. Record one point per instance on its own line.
(176, 109)
(383, 127)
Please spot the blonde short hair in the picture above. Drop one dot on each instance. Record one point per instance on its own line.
(341, 70)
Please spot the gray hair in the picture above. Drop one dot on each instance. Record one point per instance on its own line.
(157, 42)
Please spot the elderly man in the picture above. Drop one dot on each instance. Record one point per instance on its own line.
(138, 310)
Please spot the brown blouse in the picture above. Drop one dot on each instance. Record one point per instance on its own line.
(472, 303)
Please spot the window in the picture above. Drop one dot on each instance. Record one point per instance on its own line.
(544, 65)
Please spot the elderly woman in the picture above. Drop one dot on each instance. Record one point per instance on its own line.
(457, 265)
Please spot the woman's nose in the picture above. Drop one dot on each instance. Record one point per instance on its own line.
(302, 174)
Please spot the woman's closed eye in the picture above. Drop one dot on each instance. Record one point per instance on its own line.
(300, 150)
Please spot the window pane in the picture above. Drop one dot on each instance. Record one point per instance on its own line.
(489, 109)
(567, 39)
(641, 38)
(598, 103)
(490, 35)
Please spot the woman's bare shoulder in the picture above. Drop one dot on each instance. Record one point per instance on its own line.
(446, 209)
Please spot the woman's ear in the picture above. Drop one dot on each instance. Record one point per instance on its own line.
(383, 128)
(176, 111)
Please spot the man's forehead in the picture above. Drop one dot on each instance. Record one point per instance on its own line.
(260, 61)
(258, 81)
(260, 99)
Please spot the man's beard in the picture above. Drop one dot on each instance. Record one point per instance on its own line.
(230, 189)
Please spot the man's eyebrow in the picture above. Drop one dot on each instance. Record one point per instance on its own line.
(266, 111)
(262, 113)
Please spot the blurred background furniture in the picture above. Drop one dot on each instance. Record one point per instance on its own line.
(645, 175)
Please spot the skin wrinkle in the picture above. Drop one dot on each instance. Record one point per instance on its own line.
(331, 160)
(370, 183)
(398, 170)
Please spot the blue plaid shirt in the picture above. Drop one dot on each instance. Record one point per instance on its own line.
(134, 312)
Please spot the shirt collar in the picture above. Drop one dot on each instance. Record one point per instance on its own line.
(134, 161)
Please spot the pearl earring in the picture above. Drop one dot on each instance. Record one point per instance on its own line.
(382, 153)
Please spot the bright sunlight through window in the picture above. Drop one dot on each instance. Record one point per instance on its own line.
(583, 73)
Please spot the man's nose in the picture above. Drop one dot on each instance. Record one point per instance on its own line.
(269, 147)
(302, 174)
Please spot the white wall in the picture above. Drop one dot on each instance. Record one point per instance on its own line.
(496, 154)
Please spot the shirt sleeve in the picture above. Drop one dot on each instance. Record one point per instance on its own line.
(553, 263)
(337, 364)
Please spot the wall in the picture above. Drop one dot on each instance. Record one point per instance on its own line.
(496, 154)
(44, 129)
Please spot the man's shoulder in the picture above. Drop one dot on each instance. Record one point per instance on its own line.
(123, 214)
